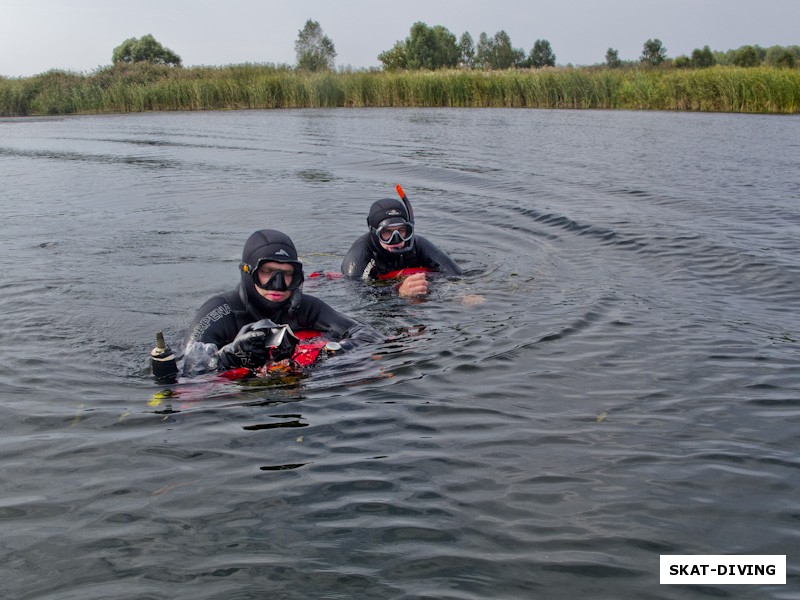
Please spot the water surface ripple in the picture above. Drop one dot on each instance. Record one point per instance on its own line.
(615, 378)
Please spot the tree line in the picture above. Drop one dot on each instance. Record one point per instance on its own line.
(437, 48)
(654, 53)
(434, 48)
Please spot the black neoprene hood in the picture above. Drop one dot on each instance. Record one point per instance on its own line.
(269, 245)
(387, 208)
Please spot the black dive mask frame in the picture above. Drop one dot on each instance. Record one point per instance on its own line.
(277, 281)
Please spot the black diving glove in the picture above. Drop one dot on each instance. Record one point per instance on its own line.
(280, 340)
(256, 344)
(248, 349)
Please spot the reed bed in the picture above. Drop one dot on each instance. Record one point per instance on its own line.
(135, 88)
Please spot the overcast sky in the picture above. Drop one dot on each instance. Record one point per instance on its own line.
(80, 35)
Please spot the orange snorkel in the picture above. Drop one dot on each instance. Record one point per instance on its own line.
(404, 198)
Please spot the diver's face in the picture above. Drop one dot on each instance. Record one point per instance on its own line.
(265, 272)
(393, 233)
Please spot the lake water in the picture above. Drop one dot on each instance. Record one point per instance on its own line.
(615, 378)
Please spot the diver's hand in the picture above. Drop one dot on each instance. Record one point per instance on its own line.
(280, 340)
(248, 349)
(413, 286)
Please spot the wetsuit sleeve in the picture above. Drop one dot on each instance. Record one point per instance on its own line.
(359, 261)
(213, 326)
(434, 258)
(316, 314)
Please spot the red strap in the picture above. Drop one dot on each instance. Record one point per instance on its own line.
(383, 277)
(307, 334)
(235, 374)
(306, 354)
(403, 273)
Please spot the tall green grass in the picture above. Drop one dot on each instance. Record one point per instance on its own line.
(141, 87)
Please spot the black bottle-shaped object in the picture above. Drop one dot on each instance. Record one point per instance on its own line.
(162, 361)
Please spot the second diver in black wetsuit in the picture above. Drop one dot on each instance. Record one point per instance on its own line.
(236, 329)
(390, 246)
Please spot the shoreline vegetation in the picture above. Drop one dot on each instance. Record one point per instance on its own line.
(141, 87)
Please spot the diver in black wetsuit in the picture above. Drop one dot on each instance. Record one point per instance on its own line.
(392, 245)
(237, 329)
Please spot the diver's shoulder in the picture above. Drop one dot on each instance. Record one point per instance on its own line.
(220, 301)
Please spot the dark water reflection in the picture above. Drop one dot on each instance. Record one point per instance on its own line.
(616, 377)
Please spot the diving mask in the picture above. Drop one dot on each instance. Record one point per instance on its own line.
(394, 233)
